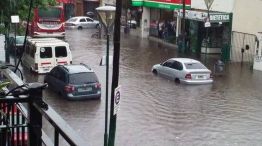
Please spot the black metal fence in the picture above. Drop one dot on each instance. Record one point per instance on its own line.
(21, 113)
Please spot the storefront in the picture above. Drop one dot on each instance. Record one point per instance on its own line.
(159, 18)
(208, 36)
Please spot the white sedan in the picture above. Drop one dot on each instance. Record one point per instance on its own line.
(81, 22)
(184, 70)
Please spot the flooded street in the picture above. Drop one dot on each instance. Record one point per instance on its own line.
(157, 112)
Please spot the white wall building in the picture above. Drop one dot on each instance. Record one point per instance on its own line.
(246, 22)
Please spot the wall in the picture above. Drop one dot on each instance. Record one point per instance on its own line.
(247, 17)
(218, 5)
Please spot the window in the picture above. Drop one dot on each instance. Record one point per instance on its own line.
(82, 78)
(60, 51)
(89, 20)
(45, 52)
(82, 20)
(177, 65)
(194, 66)
(168, 63)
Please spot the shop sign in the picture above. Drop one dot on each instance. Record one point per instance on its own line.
(165, 4)
(193, 15)
(137, 2)
(219, 18)
(201, 16)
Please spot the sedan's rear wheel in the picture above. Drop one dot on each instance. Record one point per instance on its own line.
(177, 80)
(80, 27)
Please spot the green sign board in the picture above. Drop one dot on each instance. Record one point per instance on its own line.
(163, 4)
(137, 2)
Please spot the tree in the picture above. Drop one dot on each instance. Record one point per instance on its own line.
(18, 7)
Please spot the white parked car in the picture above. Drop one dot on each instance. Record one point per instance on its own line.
(184, 70)
(81, 22)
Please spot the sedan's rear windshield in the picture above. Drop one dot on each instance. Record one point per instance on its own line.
(194, 66)
(82, 78)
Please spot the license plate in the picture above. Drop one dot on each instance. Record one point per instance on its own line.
(200, 77)
(46, 69)
(85, 89)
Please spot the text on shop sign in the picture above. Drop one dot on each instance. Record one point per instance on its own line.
(219, 17)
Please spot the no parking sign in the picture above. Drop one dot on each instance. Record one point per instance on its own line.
(117, 96)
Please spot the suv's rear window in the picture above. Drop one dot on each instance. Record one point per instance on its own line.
(45, 52)
(194, 66)
(60, 51)
(82, 78)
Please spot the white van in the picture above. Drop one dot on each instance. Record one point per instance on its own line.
(42, 54)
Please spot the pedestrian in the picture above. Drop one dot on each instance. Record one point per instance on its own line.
(160, 28)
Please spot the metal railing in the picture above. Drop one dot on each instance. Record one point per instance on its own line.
(22, 111)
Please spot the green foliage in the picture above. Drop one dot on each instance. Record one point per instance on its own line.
(19, 7)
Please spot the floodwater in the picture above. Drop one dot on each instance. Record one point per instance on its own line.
(157, 112)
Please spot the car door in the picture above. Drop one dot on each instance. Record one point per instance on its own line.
(90, 23)
(51, 79)
(83, 22)
(61, 55)
(62, 81)
(165, 68)
(176, 70)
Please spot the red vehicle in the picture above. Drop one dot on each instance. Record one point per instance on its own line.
(48, 22)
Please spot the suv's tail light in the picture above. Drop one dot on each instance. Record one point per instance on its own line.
(188, 76)
(69, 88)
(98, 85)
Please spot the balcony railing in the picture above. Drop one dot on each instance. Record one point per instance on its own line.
(22, 110)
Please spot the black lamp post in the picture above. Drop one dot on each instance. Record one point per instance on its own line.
(107, 16)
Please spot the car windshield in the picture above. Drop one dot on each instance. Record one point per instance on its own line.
(83, 78)
(195, 66)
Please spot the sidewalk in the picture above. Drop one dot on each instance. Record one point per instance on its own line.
(136, 32)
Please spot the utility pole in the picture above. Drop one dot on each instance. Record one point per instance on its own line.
(115, 78)
(207, 24)
(184, 27)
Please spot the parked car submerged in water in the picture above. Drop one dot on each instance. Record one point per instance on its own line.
(74, 82)
(184, 70)
(81, 22)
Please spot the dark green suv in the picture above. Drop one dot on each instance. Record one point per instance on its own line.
(74, 82)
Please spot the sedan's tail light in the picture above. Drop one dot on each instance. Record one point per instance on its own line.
(98, 85)
(69, 89)
(188, 77)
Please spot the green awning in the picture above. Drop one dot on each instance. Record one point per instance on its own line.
(159, 4)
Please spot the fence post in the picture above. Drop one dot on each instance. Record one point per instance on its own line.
(35, 118)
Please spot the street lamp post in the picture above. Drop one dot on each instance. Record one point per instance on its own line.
(15, 20)
(107, 16)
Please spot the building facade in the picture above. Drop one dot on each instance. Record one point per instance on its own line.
(232, 30)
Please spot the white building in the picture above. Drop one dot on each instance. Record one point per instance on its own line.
(234, 24)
